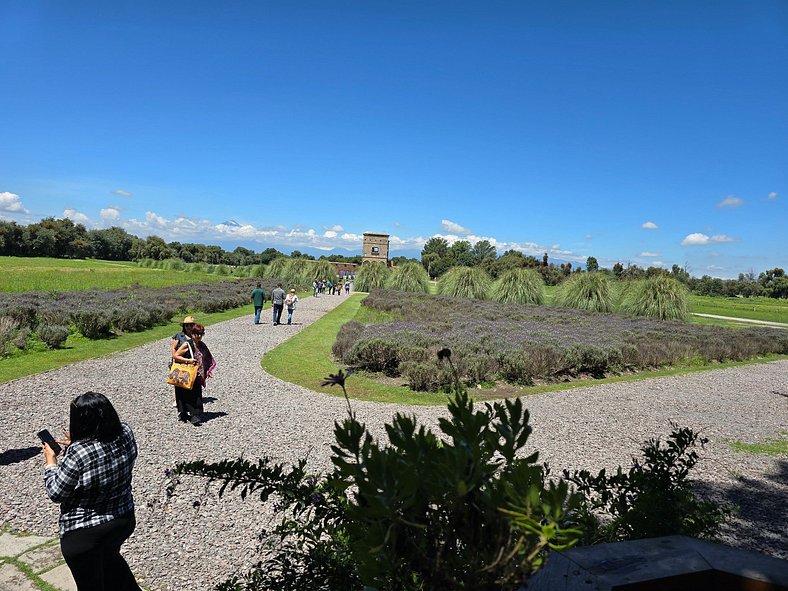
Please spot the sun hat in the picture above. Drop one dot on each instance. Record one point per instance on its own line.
(189, 320)
(292, 291)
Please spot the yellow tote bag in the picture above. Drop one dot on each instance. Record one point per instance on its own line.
(182, 375)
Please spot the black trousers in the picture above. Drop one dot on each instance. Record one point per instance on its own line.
(93, 555)
(189, 401)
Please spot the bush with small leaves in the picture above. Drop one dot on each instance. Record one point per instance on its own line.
(53, 335)
(653, 498)
(93, 323)
(482, 520)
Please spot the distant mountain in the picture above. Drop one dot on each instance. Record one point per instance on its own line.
(231, 224)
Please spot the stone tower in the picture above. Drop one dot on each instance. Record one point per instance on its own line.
(376, 248)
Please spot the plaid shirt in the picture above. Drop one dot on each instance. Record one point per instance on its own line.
(93, 481)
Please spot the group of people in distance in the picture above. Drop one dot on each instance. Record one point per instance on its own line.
(279, 299)
(330, 287)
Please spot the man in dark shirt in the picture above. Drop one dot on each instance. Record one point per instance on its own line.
(278, 303)
(258, 299)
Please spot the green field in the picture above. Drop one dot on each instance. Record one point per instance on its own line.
(46, 274)
(768, 309)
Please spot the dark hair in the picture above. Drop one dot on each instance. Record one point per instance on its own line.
(92, 416)
(259, 285)
(198, 329)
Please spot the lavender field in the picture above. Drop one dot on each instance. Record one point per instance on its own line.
(523, 344)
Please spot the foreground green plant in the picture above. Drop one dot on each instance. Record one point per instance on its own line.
(660, 297)
(586, 291)
(519, 286)
(654, 498)
(482, 520)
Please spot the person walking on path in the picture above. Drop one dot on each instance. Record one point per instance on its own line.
(258, 299)
(189, 401)
(92, 484)
(177, 341)
(347, 287)
(291, 300)
(278, 303)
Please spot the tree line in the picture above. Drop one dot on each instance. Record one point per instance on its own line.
(438, 257)
(62, 238)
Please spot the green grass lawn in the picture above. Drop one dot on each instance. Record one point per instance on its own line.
(777, 446)
(768, 309)
(46, 274)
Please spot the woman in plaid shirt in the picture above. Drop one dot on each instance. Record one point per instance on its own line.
(92, 483)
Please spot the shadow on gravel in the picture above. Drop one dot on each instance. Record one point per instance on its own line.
(762, 512)
(209, 416)
(14, 456)
(208, 399)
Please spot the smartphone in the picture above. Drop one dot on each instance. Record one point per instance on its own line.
(47, 438)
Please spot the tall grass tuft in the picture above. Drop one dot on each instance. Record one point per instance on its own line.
(586, 291)
(371, 276)
(296, 271)
(659, 297)
(276, 268)
(321, 270)
(466, 282)
(519, 286)
(409, 277)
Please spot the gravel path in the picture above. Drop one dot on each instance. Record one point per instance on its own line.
(182, 546)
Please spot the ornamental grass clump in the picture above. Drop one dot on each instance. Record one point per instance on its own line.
(410, 277)
(519, 286)
(276, 268)
(586, 291)
(466, 282)
(320, 270)
(297, 272)
(659, 297)
(371, 276)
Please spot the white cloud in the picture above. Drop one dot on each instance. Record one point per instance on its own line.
(122, 193)
(329, 234)
(657, 264)
(335, 228)
(11, 203)
(111, 213)
(649, 225)
(589, 236)
(699, 239)
(731, 201)
(453, 228)
(75, 216)
(715, 268)
(772, 196)
(649, 254)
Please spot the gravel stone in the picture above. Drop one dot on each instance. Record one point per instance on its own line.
(184, 545)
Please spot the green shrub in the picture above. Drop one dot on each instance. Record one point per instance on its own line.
(133, 319)
(375, 354)
(422, 376)
(654, 498)
(409, 277)
(93, 324)
(174, 264)
(371, 276)
(586, 291)
(466, 282)
(257, 271)
(461, 508)
(22, 338)
(347, 336)
(660, 297)
(8, 330)
(222, 270)
(52, 335)
(519, 286)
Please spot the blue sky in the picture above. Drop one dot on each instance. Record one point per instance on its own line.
(646, 132)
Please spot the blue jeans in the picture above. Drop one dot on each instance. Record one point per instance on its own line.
(290, 315)
(257, 310)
